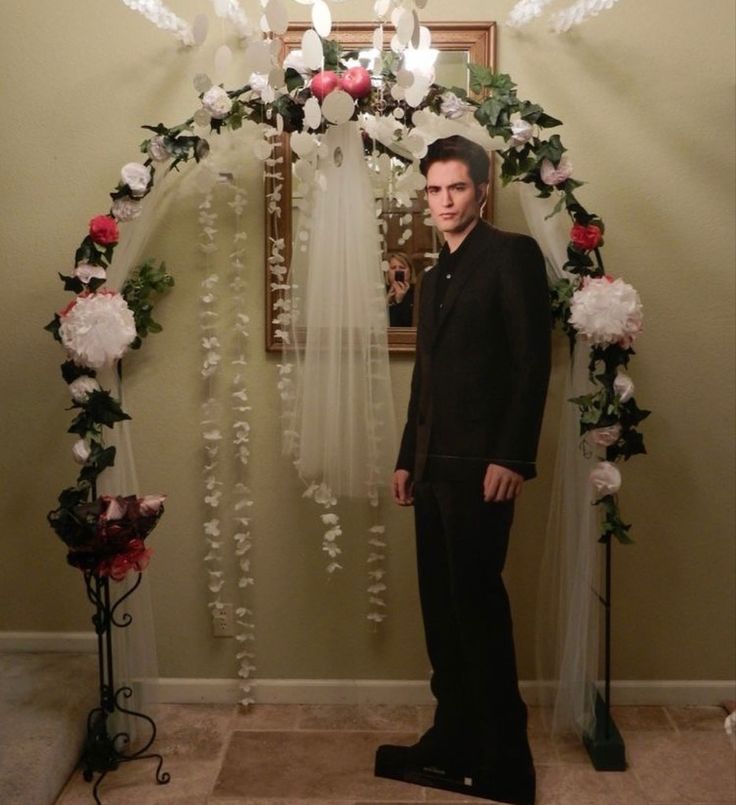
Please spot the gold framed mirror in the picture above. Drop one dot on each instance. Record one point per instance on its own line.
(459, 43)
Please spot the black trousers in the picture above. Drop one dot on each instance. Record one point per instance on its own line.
(461, 551)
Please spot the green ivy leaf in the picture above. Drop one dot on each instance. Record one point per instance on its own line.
(294, 79)
(551, 149)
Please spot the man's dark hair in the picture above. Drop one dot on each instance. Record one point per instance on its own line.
(462, 149)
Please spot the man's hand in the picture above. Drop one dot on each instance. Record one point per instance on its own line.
(501, 484)
(402, 488)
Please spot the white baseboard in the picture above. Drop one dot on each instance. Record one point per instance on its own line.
(408, 692)
(35, 642)
(360, 691)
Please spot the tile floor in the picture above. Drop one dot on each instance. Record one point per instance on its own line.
(323, 755)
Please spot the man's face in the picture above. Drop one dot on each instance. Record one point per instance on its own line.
(454, 201)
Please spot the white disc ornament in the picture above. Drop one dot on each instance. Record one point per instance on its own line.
(312, 114)
(262, 149)
(405, 78)
(201, 82)
(338, 107)
(200, 28)
(302, 143)
(277, 16)
(378, 38)
(321, 18)
(414, 94)
(257, 58)
(223, 60)
(312, 49)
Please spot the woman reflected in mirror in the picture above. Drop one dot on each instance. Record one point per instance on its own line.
(400, 279)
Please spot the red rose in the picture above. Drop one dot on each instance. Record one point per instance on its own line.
(585, 238)
(136, 557)
(103, 230)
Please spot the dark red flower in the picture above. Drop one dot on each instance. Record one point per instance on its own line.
(104, 230)
(586, 237)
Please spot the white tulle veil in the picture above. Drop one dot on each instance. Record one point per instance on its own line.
(340, 427)
(568, 607)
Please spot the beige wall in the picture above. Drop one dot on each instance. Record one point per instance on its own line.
(646, 92)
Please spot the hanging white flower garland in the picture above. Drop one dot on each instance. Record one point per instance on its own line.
(237, 529)
(162, 17)
(561, 21)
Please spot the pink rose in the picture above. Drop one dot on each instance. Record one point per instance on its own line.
(104, 230)
(554, 176)
(151, 504)
(605, 437)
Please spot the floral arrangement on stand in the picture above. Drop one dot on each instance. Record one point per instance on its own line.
(105, 535)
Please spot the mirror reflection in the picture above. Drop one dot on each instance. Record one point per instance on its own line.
(410, 241)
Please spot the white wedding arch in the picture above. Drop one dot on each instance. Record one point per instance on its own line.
(398, 110)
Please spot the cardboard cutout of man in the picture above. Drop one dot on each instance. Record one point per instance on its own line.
(477, 398)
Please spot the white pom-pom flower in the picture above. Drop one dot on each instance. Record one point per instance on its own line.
(217, 102)
(96, 329)
(82, 387)
(605, 479)
(157, 149)
(607, 311)
(126, 209)
(136, 176)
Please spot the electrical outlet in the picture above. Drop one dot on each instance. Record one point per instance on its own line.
(223, 621)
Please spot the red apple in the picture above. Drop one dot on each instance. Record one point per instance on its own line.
(356, 81)
(323, 83)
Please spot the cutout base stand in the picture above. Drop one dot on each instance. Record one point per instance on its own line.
(392, 763)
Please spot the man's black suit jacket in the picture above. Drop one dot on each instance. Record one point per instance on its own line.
(482, 362)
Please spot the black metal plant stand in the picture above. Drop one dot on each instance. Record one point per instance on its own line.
(605, 745)
(104, 752)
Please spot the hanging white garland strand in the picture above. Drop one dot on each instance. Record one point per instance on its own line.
(162, 17)
(242, 540)
(578, 13)
(560, 21)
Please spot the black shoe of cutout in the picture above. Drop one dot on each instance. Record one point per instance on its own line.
(405, 763)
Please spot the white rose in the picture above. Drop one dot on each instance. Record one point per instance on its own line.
(605, 437)
(136, 176)
(607, 311)
(126, 209)
(521, 130)
(217, 102)
(151, 504)
(97, 329)
(82, 387)
(86, 272)
(605, 478)
(295, 60)
(454, 107)
(258, 82)
(81, 451)
(157, 149)
(552, 175)
(623, 385)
